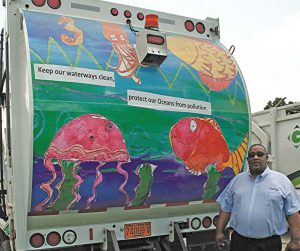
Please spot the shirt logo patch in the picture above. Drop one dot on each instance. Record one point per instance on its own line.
(274, 188)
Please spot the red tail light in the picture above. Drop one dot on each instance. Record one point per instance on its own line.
(39, 3)
(140, 16)
(206, 222)
(37, 240)
(127, 14)
(114, 11)
(153, 39)
(54, 4)
(53, 238)
(189, 25)
(200, 27)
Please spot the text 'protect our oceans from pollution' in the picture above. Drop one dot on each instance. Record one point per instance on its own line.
(167, 103)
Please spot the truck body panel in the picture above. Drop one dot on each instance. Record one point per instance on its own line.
(99, 141)
(278, 129)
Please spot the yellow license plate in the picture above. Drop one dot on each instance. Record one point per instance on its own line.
(137, 230)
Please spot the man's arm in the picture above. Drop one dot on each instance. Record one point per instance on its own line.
(222, 222)
(294, 225)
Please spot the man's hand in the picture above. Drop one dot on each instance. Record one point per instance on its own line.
(293, 246)
(220, 240)
(221, 224)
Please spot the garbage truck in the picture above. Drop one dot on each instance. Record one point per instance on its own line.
(120, 127)
(278, 128)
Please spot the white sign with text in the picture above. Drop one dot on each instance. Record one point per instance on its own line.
(167, 103)
(74, 74)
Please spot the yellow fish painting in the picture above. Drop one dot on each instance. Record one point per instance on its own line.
(216, 67)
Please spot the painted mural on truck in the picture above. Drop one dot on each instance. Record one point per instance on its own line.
(110, 132)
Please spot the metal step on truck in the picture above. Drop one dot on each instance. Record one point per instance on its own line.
(120, 127)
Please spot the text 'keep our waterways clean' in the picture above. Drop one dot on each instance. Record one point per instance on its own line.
(73, 74)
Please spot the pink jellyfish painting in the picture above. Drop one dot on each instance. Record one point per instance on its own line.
(128, 60)
(90, 137)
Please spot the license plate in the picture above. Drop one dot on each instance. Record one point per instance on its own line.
(137, 230)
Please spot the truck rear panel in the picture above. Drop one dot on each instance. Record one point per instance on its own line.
(100, 141)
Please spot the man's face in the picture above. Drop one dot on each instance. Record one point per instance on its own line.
(257, 160)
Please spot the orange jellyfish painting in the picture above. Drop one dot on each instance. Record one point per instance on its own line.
(90, 137)
(127, 57)
(199, 142)
(215, 66)
(77, 38)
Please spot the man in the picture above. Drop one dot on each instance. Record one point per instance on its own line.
(258, 202)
